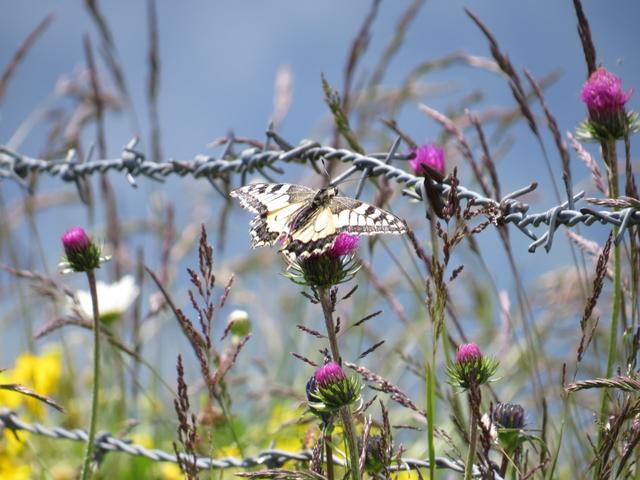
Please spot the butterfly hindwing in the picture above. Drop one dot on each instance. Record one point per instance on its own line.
(353, 216)
(314, 237)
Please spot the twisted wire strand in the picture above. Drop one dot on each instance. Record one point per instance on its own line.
(507, 211)
(270, 458)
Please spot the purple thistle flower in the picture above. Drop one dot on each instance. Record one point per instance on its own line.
(605, 99)
(330, 388)
(343, 245)
(603, 93)
(82, 254)
(334, 266)
(430, 155)
(468, 352)
(470, 367)
(75, 240)
(329, 374)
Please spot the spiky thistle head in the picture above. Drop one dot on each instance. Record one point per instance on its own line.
(508, 421)
(470, 367)
(605, 99)
(81, 252)
(337, 265)
(331, 388)
(509, 415)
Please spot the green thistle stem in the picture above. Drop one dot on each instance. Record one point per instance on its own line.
(611, 160)
(86, 465)
(345, 414)
(471, 453)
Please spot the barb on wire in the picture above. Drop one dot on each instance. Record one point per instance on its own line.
(271, 458)
(509, 210)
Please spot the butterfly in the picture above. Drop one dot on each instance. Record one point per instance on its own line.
(305, 221)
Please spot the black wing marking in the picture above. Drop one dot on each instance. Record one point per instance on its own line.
(353, 216)
(263, 198)
(274, 203)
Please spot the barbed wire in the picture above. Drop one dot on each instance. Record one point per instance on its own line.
(508, 210)
(270, 458)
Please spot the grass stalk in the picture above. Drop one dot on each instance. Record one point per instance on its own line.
(86, 464)
(431, 400)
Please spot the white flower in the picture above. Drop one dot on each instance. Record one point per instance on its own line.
(113, 299)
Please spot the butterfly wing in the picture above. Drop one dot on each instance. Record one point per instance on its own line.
(359, 218)
(314, 237)
(275, 204)
(343, 214)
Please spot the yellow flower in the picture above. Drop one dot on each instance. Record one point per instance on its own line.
(11, 465)
(291, 436)
(40, 373)
(10, 446)
(229, 451)
(14, 469)
(143, 439)
(408, 475)
(170, 471)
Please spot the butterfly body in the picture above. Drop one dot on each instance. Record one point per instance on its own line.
(305, 222)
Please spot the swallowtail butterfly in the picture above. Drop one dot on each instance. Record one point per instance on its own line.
(305, 222)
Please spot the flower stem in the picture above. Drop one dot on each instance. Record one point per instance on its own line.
(345, 413)
(329, 453)
(473, 435)
(86, 465)
(611, 160)
(327, 310)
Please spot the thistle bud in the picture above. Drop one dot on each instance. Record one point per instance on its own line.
(605, 100)
(470, 367)
(468, 353)
(509, 415)
(337, 265)
(509, 420)
(81, 253)
(330, 388)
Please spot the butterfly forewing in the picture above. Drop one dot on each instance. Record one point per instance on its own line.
(274, 203)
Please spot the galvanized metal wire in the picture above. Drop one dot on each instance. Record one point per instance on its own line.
(508, 210)
(270, 458)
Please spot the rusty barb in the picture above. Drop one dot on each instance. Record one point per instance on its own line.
(509, 210)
